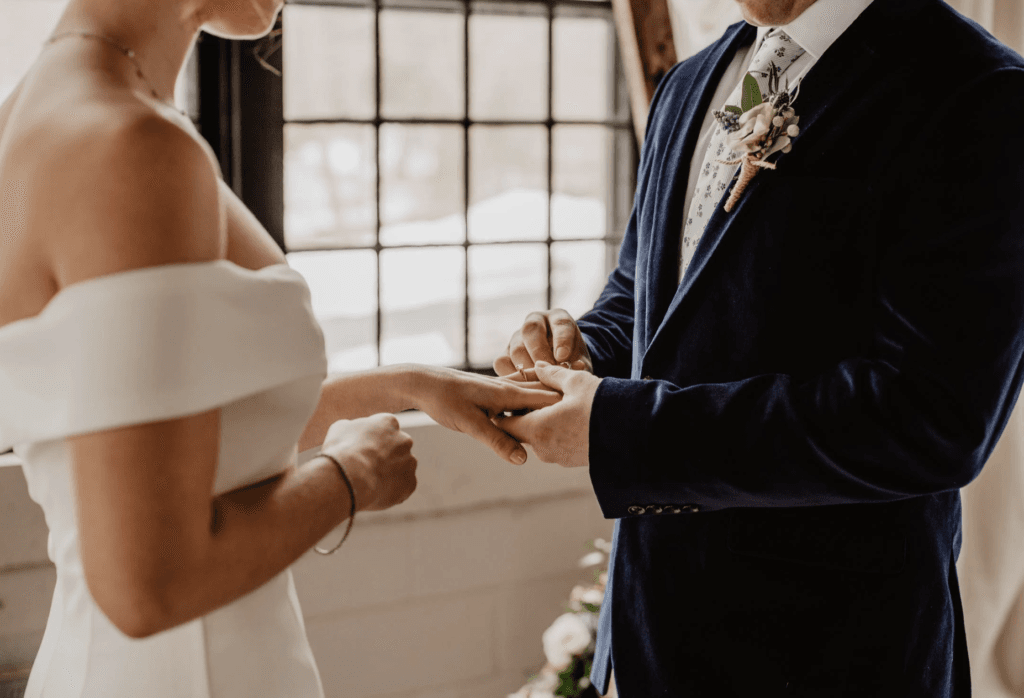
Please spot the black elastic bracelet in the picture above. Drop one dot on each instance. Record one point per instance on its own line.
(352, 496)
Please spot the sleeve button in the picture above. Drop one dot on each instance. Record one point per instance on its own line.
(676, 510)
(648, 378)
(654, 509)
(691, 508)
(635, 509)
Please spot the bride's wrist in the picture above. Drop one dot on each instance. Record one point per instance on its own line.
(359, 473)
(412, 382)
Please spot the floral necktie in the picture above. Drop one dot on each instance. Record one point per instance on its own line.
(777, 52)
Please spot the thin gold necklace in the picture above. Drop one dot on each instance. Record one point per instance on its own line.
(128, 53)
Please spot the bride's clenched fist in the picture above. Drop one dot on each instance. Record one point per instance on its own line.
(377, 457)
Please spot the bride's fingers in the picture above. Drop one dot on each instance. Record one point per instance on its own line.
(518, 398)
(504, 367)
(529, 375)
(484, 430)
(530, 385)
(537, 385)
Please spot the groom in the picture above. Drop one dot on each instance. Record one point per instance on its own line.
(780, 402)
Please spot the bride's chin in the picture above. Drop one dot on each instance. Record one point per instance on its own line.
(256, 24)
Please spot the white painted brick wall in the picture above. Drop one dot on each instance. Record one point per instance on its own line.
(445, 596)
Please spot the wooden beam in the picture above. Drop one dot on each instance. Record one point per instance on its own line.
(645, 42)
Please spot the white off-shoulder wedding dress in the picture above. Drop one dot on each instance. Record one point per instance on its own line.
(147, 345)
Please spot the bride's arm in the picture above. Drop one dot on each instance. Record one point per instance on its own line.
(458, 400)
(351, 396)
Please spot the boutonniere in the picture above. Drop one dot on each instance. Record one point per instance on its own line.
(759, 128)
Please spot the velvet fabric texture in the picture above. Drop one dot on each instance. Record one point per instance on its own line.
(839, 359)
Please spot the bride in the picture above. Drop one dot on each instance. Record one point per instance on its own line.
(161, 369)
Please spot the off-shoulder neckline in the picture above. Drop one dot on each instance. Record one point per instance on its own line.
(91, 282)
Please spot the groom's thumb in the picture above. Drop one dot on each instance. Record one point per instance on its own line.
(551, 376)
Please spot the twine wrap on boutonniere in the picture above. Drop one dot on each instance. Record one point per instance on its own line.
(759, 128)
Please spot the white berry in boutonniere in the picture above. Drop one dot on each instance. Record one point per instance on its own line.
(759, 128)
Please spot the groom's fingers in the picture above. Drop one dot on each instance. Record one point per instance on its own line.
(563, 336)
(537, 339)
(518, 352)
(553, 376)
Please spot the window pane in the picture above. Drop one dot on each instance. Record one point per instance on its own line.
(328, 62)
(423, 306)
(421, 185)
(508, 183)
(343, 288)
(329, 186)
(25, 25)
(578, 275)
(508, 76)
(581, 171)
(506, 283)
(422, 64)
(583, 76)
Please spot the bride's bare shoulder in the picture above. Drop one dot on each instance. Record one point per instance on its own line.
(120, 187)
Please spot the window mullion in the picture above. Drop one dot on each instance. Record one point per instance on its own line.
(467, 363)
(376, 150)
(550, 129)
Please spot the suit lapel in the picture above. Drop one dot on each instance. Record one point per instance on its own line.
(828, 81)
(674, 165)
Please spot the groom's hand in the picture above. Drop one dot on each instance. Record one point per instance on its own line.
(550, 336)
(466, 402)
(559, 433)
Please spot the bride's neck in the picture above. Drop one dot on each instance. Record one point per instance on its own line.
(160, 32)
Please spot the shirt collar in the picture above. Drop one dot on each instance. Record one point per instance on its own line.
(821, 24)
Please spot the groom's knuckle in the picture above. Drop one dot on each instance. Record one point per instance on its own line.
(533, 322)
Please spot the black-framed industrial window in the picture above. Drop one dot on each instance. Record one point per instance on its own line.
(449, 166)
(435, 168)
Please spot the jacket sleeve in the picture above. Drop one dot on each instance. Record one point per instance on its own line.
(921, 407)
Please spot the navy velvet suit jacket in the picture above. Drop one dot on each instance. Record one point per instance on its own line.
(783, 435)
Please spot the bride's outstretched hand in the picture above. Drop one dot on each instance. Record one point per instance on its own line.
(466, 402)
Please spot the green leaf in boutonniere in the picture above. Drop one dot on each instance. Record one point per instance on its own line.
(751, 93)
(734, 110)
